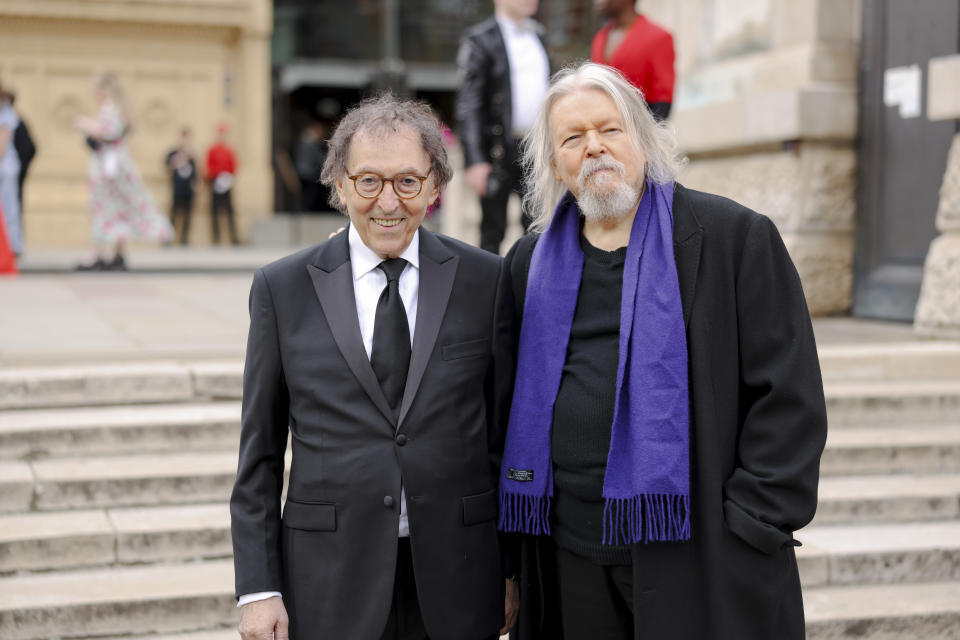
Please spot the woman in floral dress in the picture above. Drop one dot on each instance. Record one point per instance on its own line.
(121, 208)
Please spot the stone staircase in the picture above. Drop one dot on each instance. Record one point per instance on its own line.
(114, 482)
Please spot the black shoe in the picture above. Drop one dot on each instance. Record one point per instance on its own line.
(117, 264)
(96, 265)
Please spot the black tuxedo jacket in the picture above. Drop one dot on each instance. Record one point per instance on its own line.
(333, 552)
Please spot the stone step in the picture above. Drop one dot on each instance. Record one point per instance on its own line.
(875, 498)
(893, 361)
(893, 403)
(228, 633)
(133, 480)
(101, 384)
(38, 433)
(879, 553)
(933, 449)
(118, 600)
(220, 379)
(92, 537)
(883, 612)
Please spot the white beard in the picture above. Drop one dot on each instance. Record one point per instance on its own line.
(604, 197)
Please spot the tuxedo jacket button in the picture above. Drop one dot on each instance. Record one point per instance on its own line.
(388, 501)
(401, 439)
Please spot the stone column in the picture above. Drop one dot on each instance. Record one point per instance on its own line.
(938, 310)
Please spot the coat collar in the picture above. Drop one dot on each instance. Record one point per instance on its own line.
(687, 243)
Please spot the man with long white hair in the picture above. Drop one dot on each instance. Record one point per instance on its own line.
(668, 413)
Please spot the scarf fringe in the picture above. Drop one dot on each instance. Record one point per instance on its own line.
(646, 518)
(524, 514)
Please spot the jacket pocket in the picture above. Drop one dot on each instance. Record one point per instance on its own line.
(763, 537)
(481, 507)
(466, 349)
(313, 516)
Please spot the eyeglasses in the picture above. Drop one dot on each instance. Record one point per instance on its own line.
(405, 185)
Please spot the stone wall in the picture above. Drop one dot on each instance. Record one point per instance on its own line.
(766, 110)
(197, 63)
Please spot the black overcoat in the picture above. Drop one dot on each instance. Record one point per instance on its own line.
(333, 552)
(758, 422)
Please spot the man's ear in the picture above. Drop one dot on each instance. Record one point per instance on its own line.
(338, 185)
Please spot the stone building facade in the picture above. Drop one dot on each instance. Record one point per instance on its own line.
(197, 63)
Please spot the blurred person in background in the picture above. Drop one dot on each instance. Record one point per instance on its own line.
(9, 172)
(504, 73)
(221, 171)
(121, 207)
(183, 177)
(310, 154)
(26, 150)
(640, 49)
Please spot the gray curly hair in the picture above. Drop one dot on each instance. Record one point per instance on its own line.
(380, 114)
(655, 140)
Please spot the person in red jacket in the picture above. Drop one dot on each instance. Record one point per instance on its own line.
(639, 49)
(220, 171)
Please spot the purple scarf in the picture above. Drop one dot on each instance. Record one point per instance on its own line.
(646, 489)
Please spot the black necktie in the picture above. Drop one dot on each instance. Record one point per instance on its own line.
(390, 356)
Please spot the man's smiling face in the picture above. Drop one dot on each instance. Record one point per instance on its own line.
(387, 223)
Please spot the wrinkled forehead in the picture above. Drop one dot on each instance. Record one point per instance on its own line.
(583, 108)
(385, 144)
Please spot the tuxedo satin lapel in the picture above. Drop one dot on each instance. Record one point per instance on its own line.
(334, 289)
(438, 268)
(687, 242)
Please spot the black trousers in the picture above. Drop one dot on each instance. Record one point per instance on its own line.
(221, 202)
(181, 208)
(596, 602)
(405, 621)
(501, 183)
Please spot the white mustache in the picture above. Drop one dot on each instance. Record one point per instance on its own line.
(593, 165)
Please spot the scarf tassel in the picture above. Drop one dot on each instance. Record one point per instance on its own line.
(524, 514)
(646, 518)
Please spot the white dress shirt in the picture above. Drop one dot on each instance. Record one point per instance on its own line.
(529, 70)
(368, 283)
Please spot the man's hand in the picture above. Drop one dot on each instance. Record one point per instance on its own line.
(264, 620)
(511, 606)
(476, 176)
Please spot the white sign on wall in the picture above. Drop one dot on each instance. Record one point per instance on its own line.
(901, 88)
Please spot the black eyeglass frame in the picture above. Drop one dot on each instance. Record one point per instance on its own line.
(392, 180)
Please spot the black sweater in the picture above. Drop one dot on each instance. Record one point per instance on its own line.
(583, 413)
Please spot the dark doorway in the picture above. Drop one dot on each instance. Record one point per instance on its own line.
(902, 158)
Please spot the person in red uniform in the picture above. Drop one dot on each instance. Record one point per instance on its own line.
(639, 49)
(221, 169)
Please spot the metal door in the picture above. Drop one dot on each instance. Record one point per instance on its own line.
(902, 158)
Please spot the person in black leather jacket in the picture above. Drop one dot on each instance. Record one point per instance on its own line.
(504, 73)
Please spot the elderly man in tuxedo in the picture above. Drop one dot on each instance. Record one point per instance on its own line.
(384, 355)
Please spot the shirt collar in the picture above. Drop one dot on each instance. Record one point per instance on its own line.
(516, 27)
(363, 260)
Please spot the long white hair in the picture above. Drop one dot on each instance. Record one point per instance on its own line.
(655, 140)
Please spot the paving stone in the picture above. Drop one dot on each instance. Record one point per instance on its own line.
(930, 611)
(888, 498)
(118, 600)
(16, 486)
(134, 480)
(884, 450)
(229, 633)
(34, 541)
(33, 433)
(84, 385)
(893, 403)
